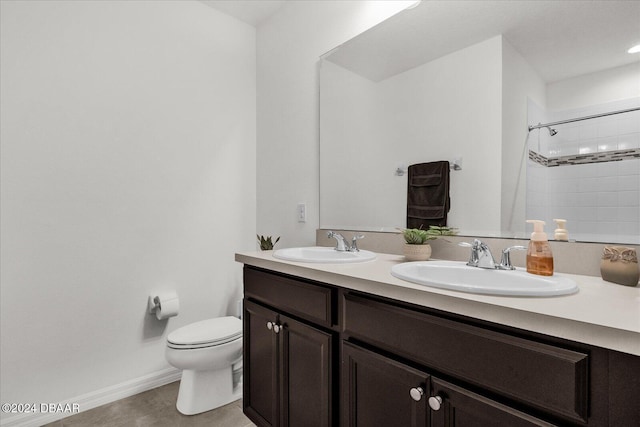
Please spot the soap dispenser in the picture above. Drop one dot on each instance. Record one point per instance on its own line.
(561, 232)
(539, 256)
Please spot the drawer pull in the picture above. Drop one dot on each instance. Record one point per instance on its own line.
(277, 328)
(269, 325)
(435, 402)
(416, 393)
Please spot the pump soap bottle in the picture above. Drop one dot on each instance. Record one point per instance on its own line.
(561, 232)
(539, 256)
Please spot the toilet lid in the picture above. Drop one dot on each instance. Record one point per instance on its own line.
(207, 332)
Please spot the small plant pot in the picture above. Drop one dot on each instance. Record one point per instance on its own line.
(417, 252)
(620, 265)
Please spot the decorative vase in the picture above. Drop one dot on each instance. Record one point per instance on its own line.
(417, 252)
(620, 265)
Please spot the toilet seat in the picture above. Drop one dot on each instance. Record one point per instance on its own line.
(206, 333)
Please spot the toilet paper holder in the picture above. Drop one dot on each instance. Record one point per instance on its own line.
(153, 304)
(163, 305)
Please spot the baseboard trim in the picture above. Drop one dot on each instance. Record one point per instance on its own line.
(97, 398)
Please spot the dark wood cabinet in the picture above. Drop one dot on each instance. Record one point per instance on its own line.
(380, 392)
(457, 407)
(517, 368)
(288, 367)
(305, 383)
(320, 355)
(260, 364)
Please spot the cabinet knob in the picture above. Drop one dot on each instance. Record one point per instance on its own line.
(435, 402)
(269, 325)
(277, 328)
(416, 393)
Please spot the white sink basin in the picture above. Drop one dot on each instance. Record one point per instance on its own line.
(323, 255)
(458, 276)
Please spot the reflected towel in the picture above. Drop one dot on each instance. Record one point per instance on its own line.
(428, 199)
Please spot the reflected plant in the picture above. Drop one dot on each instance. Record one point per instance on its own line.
(436, 231)
(418, 236)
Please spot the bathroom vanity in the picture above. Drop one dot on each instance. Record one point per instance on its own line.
(350, 345)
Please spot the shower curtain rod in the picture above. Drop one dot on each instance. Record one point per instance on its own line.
(595, 116)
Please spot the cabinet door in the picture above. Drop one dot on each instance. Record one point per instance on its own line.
(306, 371)
(377, 391)
(454, 406)
(260, 367)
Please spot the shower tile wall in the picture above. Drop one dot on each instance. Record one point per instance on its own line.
(600, 200)
(610, 133)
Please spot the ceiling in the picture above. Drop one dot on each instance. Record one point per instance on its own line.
(560, 39)
(253, 12)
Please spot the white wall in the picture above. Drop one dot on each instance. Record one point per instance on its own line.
(350, 153)
(601, 87)
(446, 109)
(128, 166)
(288, 49)
(519, 83)
(537, 176)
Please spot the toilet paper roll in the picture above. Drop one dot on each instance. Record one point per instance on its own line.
(168, 305)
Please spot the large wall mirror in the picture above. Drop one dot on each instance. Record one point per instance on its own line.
(463, 81)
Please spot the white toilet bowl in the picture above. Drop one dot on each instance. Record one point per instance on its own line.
(206, 352)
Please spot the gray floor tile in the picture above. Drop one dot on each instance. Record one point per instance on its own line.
(156, 408)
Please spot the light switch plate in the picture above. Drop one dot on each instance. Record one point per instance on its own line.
(302, 212)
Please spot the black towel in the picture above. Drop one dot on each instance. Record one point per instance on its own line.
(428, 195)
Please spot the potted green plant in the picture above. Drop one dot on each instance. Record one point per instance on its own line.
(437, 231)
(417, 247)
(266, 243)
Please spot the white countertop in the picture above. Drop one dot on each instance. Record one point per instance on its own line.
(601, 313)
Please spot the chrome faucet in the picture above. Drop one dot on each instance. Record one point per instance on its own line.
(505, 261)
(480, 255)
(354, 242)
(341, 243)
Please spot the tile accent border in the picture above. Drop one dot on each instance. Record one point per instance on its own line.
(538, 158)
(579, 159)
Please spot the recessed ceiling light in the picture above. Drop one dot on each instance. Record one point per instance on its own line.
(634, 49)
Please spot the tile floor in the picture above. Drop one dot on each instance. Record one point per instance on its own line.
(156, 408)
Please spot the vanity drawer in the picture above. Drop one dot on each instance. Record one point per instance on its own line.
(541, 375)
(303, 299)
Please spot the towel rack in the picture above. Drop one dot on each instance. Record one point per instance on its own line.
(456, 165)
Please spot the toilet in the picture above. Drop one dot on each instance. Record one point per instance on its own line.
(209, 353)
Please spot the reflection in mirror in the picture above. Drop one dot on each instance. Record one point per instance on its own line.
(463, 81)
(587, 169)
